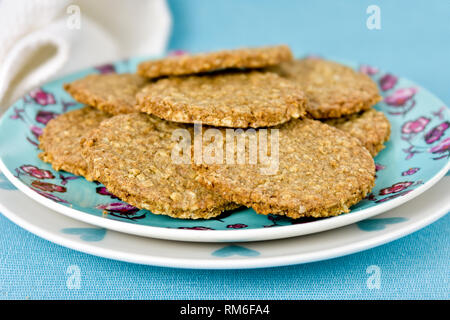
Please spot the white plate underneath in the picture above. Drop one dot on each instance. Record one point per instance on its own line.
(220, 236)
(363, 235)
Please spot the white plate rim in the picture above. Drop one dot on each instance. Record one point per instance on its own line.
(237, 235)
(243, 263)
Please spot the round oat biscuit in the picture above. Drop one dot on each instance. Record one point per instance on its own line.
(231, 99)
(61, 139)
(238, 58)
(370, 127)
(113, 93)
(321, 172)
(332, 89)
(131, 155)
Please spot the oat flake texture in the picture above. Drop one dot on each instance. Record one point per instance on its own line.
(112, 93)
(371, 127)
(322, 171)
(131, 155)
(248, 58)
(61, 139)
(232, 99)
(332, 89)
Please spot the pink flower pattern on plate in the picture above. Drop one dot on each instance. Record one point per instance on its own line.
(415, 126)
(400, 97)
(42, 97)
(36, 131)
(196, 228)
(387, 82)
(237, 226)
(106, 68)
(105, 192)
(36, 172)
(442, 148)
(44, 116)
(177, 53)
(120, 207)
(46, 186)
(436, 133)
(410, 171)
(368, 70)
(393, 196)
(397, 187)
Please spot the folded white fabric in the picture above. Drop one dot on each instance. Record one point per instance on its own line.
(42, 39)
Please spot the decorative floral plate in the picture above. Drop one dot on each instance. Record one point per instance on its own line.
(415, 158)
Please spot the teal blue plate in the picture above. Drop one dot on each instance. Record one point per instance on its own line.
(415, 158)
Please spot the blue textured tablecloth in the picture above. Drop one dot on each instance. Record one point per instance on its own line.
(416, 266)
(412, 42)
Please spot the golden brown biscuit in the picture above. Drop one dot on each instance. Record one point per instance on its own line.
(238, 58)
(233, 99)
(370, 127)
(61, 138)
(333, 90)
(113, 93)
(131, 155)
(321, 172)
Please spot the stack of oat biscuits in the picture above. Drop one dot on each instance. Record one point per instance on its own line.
(193, 136)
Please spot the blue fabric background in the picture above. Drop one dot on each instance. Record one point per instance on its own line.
(413, 42)
(415, 267)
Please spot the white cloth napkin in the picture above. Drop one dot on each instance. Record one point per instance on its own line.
(43, 39)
